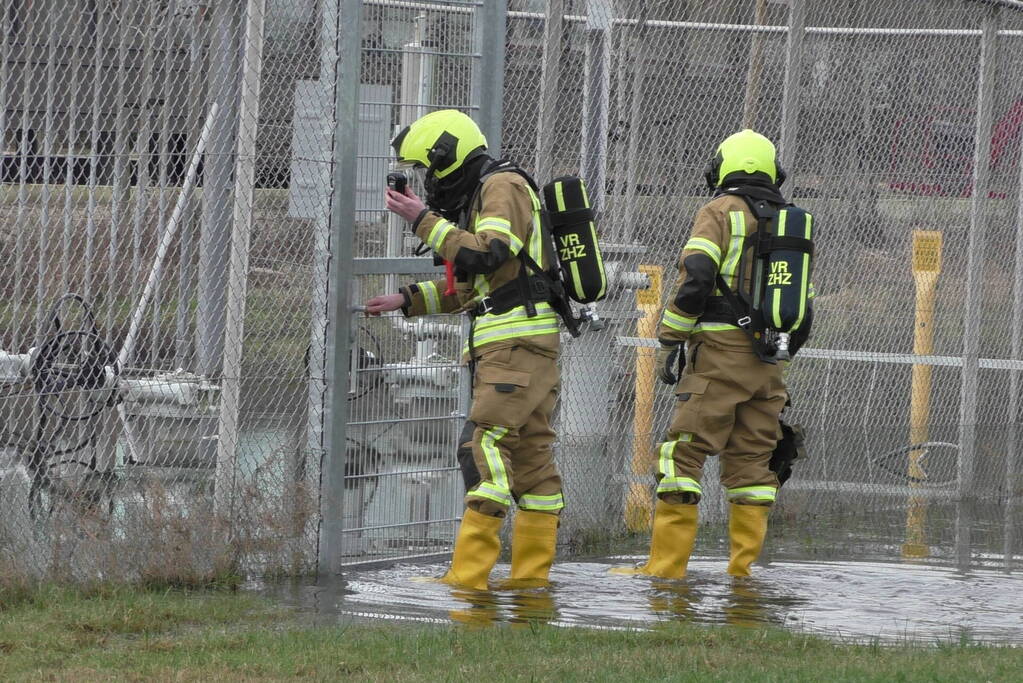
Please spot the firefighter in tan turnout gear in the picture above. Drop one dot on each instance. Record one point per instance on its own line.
(505, 452)
(728, 397)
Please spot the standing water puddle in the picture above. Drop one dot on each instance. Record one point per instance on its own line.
(857, 600)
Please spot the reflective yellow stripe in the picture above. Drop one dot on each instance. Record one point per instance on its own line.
(536, 234)
(706, 246)
(714, 327)
(666, 464)
(504, 228)
(440, 231)
(737, 220)
(753, 493)
(552, 502)
(431, 298)
(673, 484)
(677, 322)
(491, 320)
(514, 331)
(488, 443)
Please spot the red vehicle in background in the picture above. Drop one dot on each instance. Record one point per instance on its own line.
(941, 148)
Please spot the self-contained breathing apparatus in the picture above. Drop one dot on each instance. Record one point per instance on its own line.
(575, 270)
(775, 304)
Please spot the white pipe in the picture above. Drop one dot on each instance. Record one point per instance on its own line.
(164, 246)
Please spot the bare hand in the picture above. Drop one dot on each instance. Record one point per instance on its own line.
(407, 205)
(385, 303)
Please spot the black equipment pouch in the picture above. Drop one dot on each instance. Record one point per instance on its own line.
(791, 447)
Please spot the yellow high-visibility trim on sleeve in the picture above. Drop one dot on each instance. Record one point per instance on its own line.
(677, 322)
(706, 246)
(438, 234)
(431, 297)
(503, 227)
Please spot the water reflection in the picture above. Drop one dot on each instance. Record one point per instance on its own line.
(966, 587)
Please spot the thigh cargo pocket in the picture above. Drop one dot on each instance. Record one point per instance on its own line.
(689, 392)
(502, 396)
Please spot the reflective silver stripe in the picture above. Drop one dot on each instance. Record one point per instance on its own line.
(714, 327)
(440, 231)
(706, 246)
(753, 493)
(431, 298)
(531, 502)
(677, 322)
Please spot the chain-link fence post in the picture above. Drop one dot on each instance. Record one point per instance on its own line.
(491, 19)
(238, 258)
(793, 79)
(550, 91)
(979, 216)
(342, 239)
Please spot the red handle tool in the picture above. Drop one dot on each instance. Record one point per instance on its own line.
(449, 275)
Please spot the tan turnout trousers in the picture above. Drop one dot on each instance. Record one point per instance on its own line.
(728, 405)
(505, 450)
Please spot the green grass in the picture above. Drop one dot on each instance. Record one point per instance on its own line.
(122, 634)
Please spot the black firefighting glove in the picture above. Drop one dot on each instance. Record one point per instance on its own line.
(671, 360)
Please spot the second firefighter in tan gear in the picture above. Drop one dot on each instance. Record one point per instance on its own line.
(505, 452)
(728, 401)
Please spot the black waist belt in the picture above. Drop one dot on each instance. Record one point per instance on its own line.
(718, 310)
(510, 295)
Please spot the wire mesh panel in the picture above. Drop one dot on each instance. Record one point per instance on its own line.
(158, 283)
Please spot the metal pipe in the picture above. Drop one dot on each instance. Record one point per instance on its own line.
(596, 87)
(791, 89)
(143, 124)
(979, 209)
(1012, 468)
(5, 76)
(490, 27)
(550, 90)
(49, 126)
(216, 225)
(754, 74)
(342, 223)
(69, 167)
(237, 283)
(94, 153)
(183, 345)
(117, 197)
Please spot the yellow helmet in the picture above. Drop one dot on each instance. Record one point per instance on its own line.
(441, 141)
(744, 152)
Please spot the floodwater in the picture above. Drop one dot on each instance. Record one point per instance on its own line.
(853, 600)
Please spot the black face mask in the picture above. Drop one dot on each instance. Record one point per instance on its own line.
(450, 196)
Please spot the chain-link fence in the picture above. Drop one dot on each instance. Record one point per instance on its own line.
(206, 177)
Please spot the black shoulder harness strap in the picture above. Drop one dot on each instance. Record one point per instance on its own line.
(559, 298)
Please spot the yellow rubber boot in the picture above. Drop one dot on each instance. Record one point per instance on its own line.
(747, 527)
(476, 551)
(671, 544)
(534, 541)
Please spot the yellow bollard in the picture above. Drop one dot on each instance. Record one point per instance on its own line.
(639, 504)
(926, 269)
